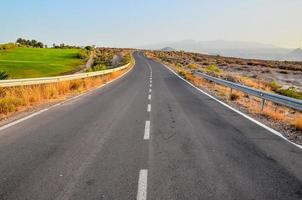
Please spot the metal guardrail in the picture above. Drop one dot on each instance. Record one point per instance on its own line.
(45, 80)
(278, 99)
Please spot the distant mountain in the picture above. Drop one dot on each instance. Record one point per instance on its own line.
(229, 48)
(167, 49)
(295, 55)
(216, 44)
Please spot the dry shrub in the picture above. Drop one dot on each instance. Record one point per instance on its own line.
(19, 98)
(298, 122)
(234, 96)
(10, 104)
(253, 83)
(274, 114)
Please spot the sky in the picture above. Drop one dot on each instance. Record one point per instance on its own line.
(133, 23)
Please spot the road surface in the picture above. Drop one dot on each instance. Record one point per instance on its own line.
(148, 135)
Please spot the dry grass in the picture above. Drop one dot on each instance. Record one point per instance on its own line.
(254, 83)
(274, 114)
(298, 122)
(16, 99)
(252, 104)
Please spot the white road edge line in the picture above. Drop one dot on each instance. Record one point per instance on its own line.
(150, 85)
(149, 108)
(58, 104)
(150, 90)
(22, 119)
(149, 96)
(237, 111)
(142, 185)
(147, 131)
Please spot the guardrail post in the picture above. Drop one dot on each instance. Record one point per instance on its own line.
(262, 104)
(231, 90)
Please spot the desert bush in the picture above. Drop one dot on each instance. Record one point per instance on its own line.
(127, 58)
(192, 66)
(178, 65)
(83, 54)
(3, 75)
(214, 69)
(274, 86)
(290, 92)
(234, 96)
(98, 67)
(7, 46)
(182, 74)
(298, 122)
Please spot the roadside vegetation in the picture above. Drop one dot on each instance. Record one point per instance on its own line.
(287, 120)
(7, 46)
(290, 92)
(3, 75)
(31, 58)
(22, 98)
(17, 99)
(108, 58)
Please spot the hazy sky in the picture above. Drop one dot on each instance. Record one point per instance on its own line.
(130, 23)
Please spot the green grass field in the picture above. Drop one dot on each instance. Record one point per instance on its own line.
(34, 62)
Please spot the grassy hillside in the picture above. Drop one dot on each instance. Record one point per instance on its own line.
(35, 62)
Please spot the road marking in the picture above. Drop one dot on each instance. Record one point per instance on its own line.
(150, 90)
(142, 185)
(150, 85)
(149, 96)
(150, 81)
(22, 119)
(149, 108)
(147, 131)
(237, 111)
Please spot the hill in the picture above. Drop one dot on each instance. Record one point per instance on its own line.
(295, 55)
(249, 50)
(167, 49)
(37, 62)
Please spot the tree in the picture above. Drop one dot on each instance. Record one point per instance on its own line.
(89, 48)
(31, 43)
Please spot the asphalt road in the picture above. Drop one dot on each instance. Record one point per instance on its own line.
(148, 135)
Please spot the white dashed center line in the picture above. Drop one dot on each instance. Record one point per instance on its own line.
(142, 185)
(147, 130)
(143, 174)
